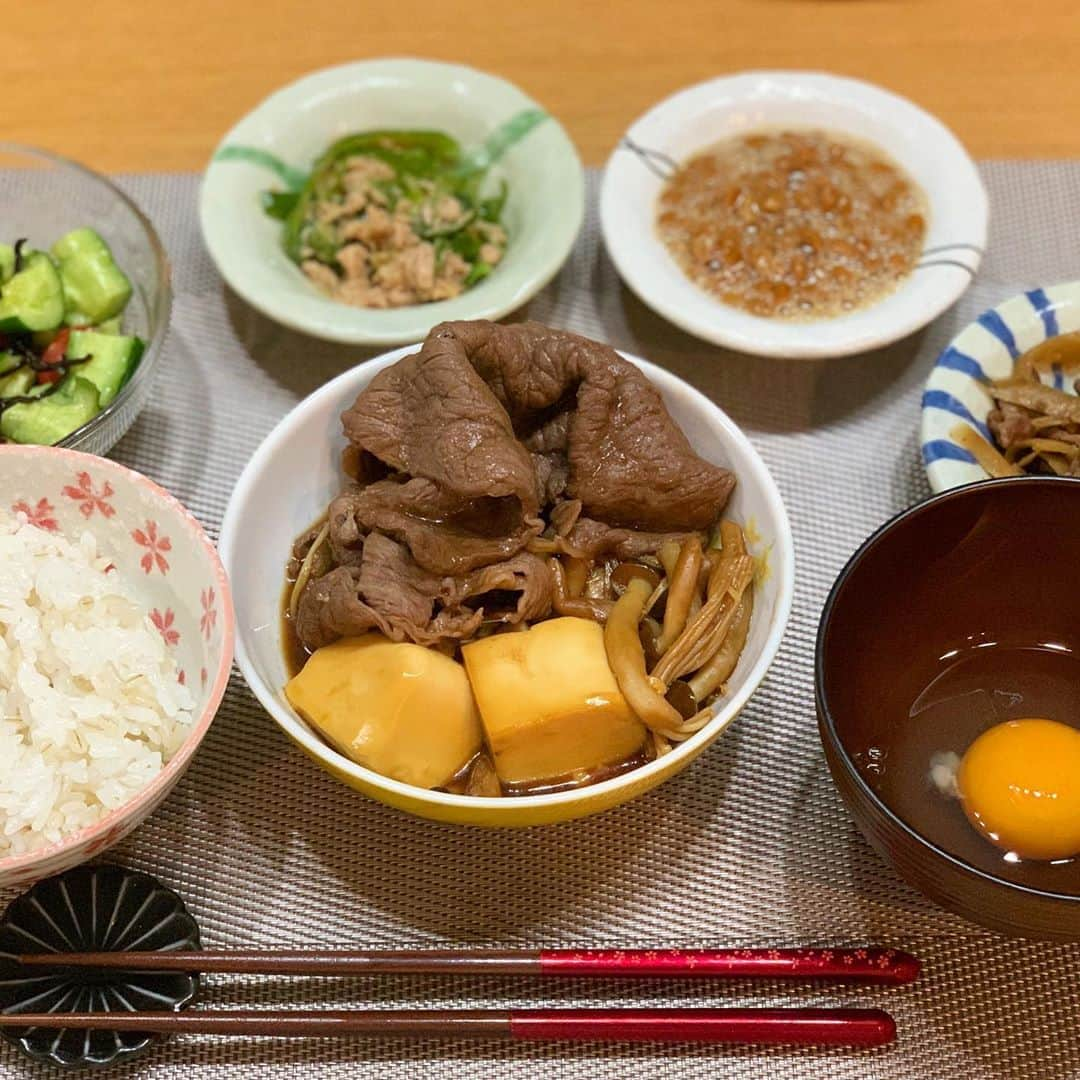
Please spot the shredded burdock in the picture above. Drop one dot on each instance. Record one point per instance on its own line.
(1036, 426)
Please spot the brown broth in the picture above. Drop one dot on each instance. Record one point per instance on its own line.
(793, 225)
(569, 782)
(973, 691)
(296, 656)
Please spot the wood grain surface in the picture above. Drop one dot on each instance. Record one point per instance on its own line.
(152, 86)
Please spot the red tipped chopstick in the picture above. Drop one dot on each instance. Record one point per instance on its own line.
(870, 965)
(792, 1027)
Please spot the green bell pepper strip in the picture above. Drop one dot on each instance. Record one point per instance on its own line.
(411, 153)
(429, 155)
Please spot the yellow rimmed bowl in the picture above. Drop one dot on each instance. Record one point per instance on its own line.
(296, 472)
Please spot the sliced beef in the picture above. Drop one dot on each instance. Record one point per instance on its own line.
(390, 592)
(331, 608)
(1009, 424)
(445, 534)
(564, 515)
(629, 463)
(431, 416)
(525, 575)
(455, 411)
(458, 451)
(547, 445)
(592, 539)
(391, 582)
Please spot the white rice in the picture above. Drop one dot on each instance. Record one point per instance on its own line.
(90, 704)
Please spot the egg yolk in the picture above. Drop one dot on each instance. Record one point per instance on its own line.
(1020, 787)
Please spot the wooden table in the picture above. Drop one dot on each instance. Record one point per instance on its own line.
(152, 86)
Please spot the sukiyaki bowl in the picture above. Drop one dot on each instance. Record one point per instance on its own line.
(508, 576)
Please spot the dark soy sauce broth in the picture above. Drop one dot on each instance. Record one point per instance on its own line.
(296, 656)
(974, 689)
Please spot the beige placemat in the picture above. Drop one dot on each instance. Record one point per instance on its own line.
(750, 845)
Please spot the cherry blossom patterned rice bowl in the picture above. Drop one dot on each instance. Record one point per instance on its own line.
(165, 557)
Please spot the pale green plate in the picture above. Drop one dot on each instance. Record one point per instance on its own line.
(543, 213)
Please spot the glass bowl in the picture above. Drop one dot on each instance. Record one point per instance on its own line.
(46, 195)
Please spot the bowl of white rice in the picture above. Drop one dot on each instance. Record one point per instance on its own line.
(116, 642)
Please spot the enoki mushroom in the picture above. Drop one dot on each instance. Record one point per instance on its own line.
(707, 619)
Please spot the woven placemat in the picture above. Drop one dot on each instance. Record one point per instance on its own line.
(750, 845)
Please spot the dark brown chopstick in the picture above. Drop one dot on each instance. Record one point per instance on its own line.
(869, 965)
(793, 1027)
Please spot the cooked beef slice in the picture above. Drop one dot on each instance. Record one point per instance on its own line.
(526, 575)
(391, 593)
(1010, 424)
(445, 534)
(629, 463)
(431, 416)
(467, 443)
(592, 539)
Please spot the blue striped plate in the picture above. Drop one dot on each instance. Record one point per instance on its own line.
(987, 349)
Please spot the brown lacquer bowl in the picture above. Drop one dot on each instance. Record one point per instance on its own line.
(985, 571)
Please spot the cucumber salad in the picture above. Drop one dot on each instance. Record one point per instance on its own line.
(63, 357)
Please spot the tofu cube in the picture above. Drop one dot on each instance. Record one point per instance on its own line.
(549, 703)
(401, 710)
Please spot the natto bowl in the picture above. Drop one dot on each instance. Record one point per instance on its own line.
(698, 117)
(163, 554)
(296, 472)
(988, 563)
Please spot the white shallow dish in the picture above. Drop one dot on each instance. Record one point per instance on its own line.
(986, 349)
(163, 554)
(543, 213)
(294, 474)
(701, 115)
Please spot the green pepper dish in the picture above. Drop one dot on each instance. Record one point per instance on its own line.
(394, 218)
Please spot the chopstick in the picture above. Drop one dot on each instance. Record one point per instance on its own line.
(792, 1027)
(869, 965)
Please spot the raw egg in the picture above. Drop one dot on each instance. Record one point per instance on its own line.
(1019, 783)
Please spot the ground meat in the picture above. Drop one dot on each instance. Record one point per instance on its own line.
(354, 262)
(385, 258)
(1009, 424)
(320, 274)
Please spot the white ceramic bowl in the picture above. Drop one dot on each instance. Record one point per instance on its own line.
(695, 118)
(987, 349)
(162, 551)
(294, 474)
(543, 213)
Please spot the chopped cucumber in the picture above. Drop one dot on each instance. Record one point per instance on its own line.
(53, 418)
(8, 360)
(95, 288)
(32, 299)
(7, 262)
(109, 326)
(113, 359)
(17, 383)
